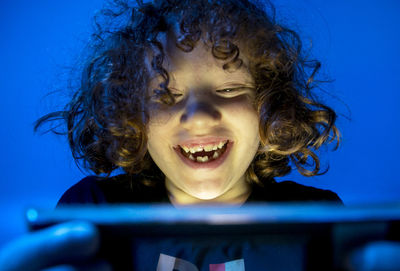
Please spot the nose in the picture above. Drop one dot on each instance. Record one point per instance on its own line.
(200, 113)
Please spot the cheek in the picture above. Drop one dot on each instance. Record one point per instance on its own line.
(242, 107)
(155, 131)
(160, 129)
(161, 115)
(244, 102)
(244, 118)
(157, 147)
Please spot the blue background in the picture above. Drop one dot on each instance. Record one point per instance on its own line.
(357, 41)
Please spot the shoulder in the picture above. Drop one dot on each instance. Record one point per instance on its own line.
(117, 189)
(85, 191)
(289, 191)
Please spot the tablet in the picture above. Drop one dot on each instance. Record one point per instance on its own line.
(251, 237)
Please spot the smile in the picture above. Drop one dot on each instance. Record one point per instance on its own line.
(204, 156)
(205, 153)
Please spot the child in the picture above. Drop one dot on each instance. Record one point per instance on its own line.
(197, 101)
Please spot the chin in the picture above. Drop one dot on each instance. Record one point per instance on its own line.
(206, 190)
(206, 194)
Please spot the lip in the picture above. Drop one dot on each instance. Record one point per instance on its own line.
(201, 142)
(209, 165)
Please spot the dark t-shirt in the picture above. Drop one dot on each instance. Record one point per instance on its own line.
(204, 253)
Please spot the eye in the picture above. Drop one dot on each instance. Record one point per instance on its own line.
(158, 93)
(227, 90)
(231, 92)
(177, 94)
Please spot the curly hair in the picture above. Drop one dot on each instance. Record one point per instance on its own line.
(106, 118)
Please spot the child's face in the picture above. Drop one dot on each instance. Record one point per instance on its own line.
(204, 115)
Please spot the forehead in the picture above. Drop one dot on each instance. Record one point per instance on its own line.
(198, 64)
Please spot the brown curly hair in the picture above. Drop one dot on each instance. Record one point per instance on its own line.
(107, 116)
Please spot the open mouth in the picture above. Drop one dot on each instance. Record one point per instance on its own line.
(209, 156)
(204, 155)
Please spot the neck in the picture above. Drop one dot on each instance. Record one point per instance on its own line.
(236, 195)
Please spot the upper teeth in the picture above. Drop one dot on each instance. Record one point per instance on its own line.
(210, 147)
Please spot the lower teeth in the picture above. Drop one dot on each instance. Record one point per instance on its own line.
(202, 159)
